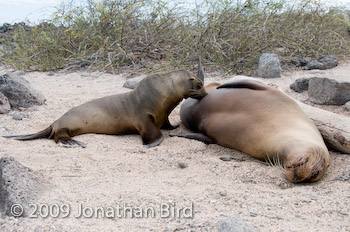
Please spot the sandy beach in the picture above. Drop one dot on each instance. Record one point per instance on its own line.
(119, 172)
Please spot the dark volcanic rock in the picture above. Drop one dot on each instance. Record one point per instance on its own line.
(302, 61)
(6, 27)
(300, 85)
(322, 62)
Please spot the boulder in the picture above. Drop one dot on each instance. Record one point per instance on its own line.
(19, 91)
(329, 91)
(19, 187)
(269, 66)
(300, 85)
(4, 104)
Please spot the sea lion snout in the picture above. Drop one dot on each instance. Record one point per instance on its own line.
(309, 167)
(198, 95)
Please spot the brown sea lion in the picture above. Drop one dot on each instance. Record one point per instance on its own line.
(143, 110)
(261, 121)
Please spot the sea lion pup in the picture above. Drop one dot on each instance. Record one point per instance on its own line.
(143, 110)
(261, 121)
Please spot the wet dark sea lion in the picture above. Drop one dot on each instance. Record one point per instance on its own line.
(144, 110)
(261, 121)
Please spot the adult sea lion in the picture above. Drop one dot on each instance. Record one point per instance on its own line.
(261, 121)
(143, 110)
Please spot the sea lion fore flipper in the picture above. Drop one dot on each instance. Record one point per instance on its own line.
(248, 84)
(167, 125)
(151, 135)
(156, 142)
(196, 136)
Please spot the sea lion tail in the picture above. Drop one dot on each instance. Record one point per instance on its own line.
(46, 133)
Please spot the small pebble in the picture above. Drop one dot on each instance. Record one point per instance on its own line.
(182, 164)
(223, 193)
(19, 115)
(226, 157)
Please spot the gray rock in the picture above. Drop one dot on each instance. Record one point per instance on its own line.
(347, 106)
(18, 185)
(328, 61)
(133, 82)
(19, 115)
(329, 91)
(322, 62)
(233, 224)
(302, 61)
(269, 66)
(19, 92)
(314, 64)
(4, 104)
(300, 85)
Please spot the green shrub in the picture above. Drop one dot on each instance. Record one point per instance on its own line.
(229, 35)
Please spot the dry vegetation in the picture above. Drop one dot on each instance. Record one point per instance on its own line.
(228, 34)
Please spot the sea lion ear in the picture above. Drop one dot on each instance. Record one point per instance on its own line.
(200, 72)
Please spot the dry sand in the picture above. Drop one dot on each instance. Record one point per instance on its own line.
(117, 170)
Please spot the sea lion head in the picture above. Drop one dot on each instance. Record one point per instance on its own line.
(194, 88)
(306, 164)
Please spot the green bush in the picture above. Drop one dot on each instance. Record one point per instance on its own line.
(229, 35)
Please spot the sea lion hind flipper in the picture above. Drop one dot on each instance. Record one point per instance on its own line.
(41, 134)
(247, 84)
(69, 142)
(196, 136)
(167, 125)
